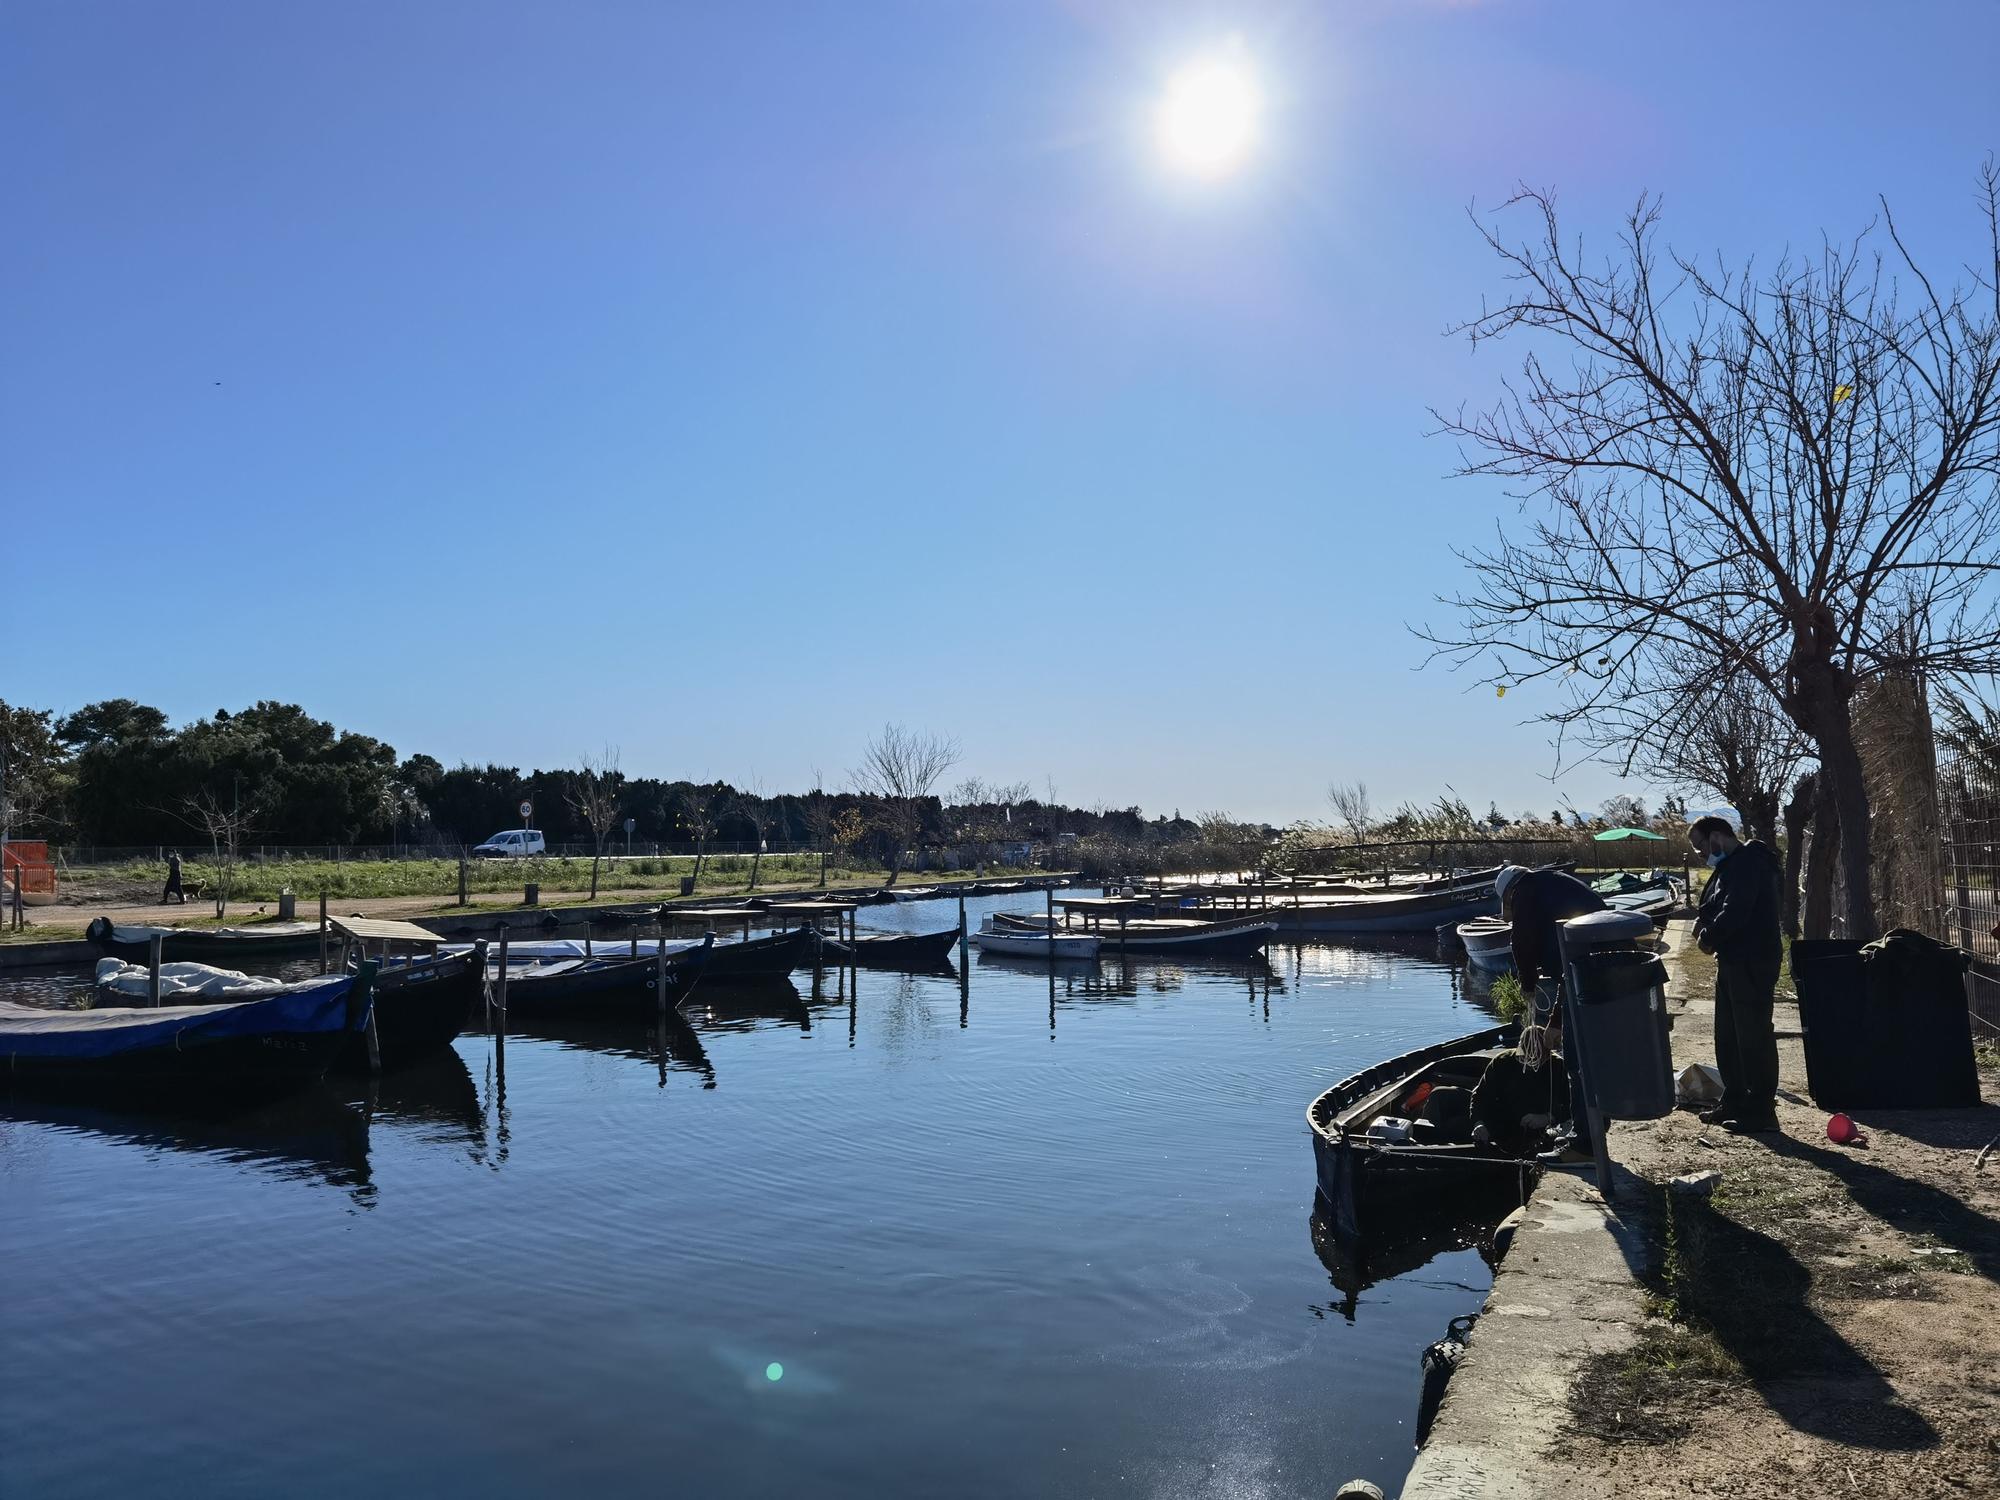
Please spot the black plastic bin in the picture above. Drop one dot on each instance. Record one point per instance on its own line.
(1913, 1051)
(1618, 1008)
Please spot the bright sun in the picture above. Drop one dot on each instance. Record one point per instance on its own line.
(1206, 120)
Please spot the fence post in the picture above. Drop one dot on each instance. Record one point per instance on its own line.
(461, 880)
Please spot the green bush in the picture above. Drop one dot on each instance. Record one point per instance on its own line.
(1508, 998)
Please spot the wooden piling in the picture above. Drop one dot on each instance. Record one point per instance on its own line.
(500, 985)
(322, 932)
(964, 942)
(153, 947)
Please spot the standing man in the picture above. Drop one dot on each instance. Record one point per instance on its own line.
(1538, 902)
(1738, 922)
(173, 891)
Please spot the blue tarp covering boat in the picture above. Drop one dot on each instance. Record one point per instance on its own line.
(255, 1044)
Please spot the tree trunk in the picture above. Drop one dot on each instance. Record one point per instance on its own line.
(1816, 915)
(700, 853)
(1798, 814)
(1850, 797)
(593, 873)
(756, 864)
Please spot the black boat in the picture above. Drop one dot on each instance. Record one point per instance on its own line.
(225, 947)
(575, 984)
(1230, 937)
(419, 1008)
(1363, 1176)
(251, 1048)
(764, 957)
(893, 950)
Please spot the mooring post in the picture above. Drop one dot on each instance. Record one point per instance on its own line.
(500, 985)
(153, 946)
(964, 943)
(322, 932)
(1049, 900)
(659, 972)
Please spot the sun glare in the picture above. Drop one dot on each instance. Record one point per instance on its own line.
(1206, 121)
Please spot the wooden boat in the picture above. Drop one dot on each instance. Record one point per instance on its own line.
(226, 946)
(563, 985)
(1363, 1176)
(1489, 944)
(1229, 937)
(893, 950)
(778, 953)
(419, 1008)
(912, 892)
(248, 1048)
(994, 937)
(1422, 911)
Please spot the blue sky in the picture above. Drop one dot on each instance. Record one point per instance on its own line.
(718, 382)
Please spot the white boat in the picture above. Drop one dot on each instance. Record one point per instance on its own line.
(1489, 943)
(992, 938)
(913, 893)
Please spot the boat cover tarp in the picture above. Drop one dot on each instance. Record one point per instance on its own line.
(34, 1031)
(182, 979)
(139, 933)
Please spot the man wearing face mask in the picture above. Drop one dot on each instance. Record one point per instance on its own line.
(1738, 922)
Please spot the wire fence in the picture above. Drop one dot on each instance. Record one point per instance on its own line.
(1969, 808)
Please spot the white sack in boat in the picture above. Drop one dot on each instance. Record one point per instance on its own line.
(181, 981)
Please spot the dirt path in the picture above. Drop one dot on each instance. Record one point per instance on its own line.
(1824, 1321)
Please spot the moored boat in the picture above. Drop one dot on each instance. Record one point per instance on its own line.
(250, 1047)
(1229, 937)
(1369, 1155)
(994, 937)
(893, 950)
(1489, 944)
(419, 1008)
(564, 985)
(1422, 911)
(226, 946)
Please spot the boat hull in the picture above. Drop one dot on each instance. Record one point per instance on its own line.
(226, 950)
(419, 1008)
(1037, 945)
(921, 950)
(1489, 944)
(1390, 914)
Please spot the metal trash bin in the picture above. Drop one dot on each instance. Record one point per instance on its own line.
(1616, 1013)
(687, 885)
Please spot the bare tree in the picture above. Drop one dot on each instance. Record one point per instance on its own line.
(754, 807)
(1350, 804)
(900, 767)
(702, 808)
(224, 828)
(1740, 747)
(1774, 474)
(595, 796)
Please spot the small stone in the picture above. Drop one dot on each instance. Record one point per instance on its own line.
(1696, 1184)
(1358, 1489)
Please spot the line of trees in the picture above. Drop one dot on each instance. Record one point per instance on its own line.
(118, 774)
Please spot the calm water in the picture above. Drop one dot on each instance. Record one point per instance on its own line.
(902, 1241)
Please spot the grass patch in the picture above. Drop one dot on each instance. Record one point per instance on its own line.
(1508, 998)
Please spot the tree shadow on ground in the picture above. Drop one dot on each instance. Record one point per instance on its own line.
(1756, 1298)
(1911, 1206)
(1947, 1129)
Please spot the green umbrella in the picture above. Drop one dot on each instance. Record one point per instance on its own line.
(1613, 835)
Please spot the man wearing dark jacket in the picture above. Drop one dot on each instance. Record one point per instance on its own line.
(1538, 902)
(1738, 921)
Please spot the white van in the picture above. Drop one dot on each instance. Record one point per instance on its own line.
(516, 843)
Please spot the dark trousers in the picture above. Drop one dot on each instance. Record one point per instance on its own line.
(1746, 1046)
(173, 891)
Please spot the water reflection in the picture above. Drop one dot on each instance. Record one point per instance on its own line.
(666, 1040)
(1355, 1268)
(311, 1136)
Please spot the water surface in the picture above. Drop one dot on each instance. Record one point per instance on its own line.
(1041, 1234)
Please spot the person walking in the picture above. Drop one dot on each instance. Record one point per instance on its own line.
(1738, 922)
(173, 891)
(1538, 902)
